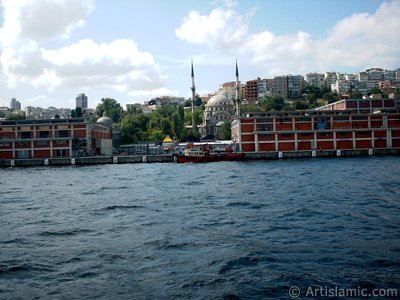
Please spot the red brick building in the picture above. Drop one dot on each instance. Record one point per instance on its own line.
(361, 105)
(317, 130)
(24, 139)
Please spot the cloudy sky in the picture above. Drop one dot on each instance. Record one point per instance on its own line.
(133, 50)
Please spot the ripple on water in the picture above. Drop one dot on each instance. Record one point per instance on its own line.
(246, 230)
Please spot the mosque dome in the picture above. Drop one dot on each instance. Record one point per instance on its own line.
(219, 99)
(105, 120)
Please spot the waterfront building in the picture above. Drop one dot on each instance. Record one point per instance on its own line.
(368, 105)
(373, 124)
(54, 138)
(81, 101)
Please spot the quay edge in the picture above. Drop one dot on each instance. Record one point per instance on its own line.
(97, 160)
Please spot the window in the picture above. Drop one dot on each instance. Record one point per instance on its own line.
(25, 135)
(44, 134)
(63, 133)
(4, 144)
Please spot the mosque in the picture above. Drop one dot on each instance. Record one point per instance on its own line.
(218, 111)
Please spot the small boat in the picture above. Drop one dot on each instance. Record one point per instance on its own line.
(208, 153)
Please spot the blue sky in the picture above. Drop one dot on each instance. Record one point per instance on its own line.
(132, 51)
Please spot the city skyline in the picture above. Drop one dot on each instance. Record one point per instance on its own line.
(134, 51)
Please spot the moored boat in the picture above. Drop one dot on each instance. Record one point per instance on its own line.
(208, 153)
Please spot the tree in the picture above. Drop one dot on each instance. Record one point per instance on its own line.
(226, 131)
(112, 109)
(134, 128)
(272, 103)
(376, 90)
(356, 94)
(300, 105)
(197, 100)
(73, 114)
(249, 108)
(15, 117)
(78, 112)
(331, 97)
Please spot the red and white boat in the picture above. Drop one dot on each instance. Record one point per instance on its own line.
(208, 153)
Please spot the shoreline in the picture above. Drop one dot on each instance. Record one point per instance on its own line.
(97, 160)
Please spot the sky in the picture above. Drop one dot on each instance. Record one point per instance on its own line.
(135, 50)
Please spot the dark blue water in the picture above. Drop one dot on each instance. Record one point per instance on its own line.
(243, 230)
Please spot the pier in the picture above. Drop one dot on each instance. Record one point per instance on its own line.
(168, 158)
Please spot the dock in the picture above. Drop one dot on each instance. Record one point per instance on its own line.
(168, 158)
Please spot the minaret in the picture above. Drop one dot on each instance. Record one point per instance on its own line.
(237, 98)
(193, 88)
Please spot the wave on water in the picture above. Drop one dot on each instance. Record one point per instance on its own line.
(244, 204)
(122, 207)
(246, 230)
(65, 232)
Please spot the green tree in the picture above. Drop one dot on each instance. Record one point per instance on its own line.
(73, 114)
(301, 105)
(226, 131)
(78, 112)
(134, 128)
(111, 107)
(249, 108)
(376, 90)
(15, 117)
(272, 103)
(197, 100)
(331, 96)
(154, 135)
(356, 94)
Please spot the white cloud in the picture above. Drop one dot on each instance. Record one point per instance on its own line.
(364, 39)
(356, 41)
(222, 29)
(26, 62)
(41, 20)
(117, 65)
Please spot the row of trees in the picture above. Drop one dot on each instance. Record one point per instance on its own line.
(135, 126)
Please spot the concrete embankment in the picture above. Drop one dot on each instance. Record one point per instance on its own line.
(96, 160)
(320, 153)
